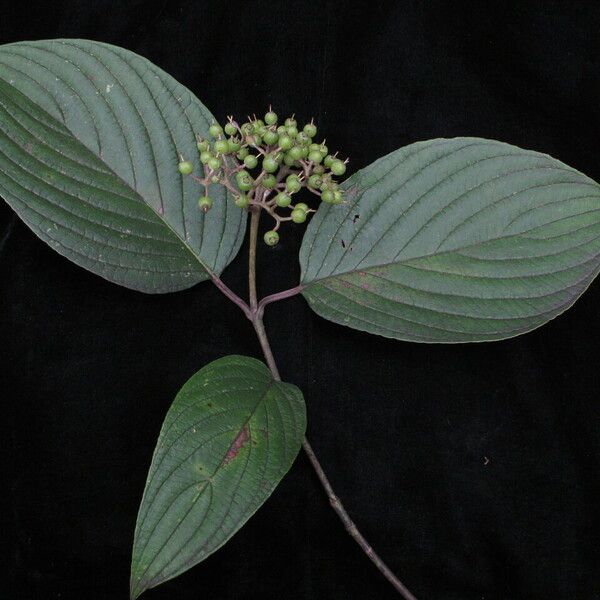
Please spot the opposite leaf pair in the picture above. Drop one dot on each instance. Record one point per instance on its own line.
(456, 240)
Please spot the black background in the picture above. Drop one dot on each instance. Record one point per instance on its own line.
(473, 469)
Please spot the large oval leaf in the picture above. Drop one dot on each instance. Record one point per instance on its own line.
(228, 439)
(90, 136)
(454, 240)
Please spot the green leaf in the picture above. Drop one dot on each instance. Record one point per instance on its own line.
(90, 138)
(230, 436)
(454, 240)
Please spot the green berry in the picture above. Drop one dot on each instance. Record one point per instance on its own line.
(298, 215)
(329, 160)
(315, 156)
(233, 145)
(282, 199)
(247, 128)
(301, 206)
(230, 129)
(203, 145)
(338, 197)
(323, 149)
(271, 238)
(242, 201)
(215, 130)
(318, 169)
(205, 203)
(269, 182)
(250, 161)
(185, 167)
(285, 142)
(289, 160)
(244, 181)
(302, 138)
(291, 122)
(310, 130)
(270, 137)
(292, 131)
(296, 152)
(215, 163)
(292, 183)
(270, 164)
(242, 153)
(221, 146)
(315, 181)
(281, 130)
(327, 196)
(205, 156)
(338, 167)
(271, 118)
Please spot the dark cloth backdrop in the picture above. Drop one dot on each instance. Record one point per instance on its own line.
(472, 469)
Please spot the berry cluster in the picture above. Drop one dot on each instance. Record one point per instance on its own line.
(265, 164)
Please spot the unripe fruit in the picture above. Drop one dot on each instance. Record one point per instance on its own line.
(301, 206)
(203, 145)
(282, 199)
(291, 122)
(323, 149)
(271, 238)
(315, 156)
(270, 164)
(298, 215)
(285, 142)
(250, 161)
(269, 182)
(338, 167)
(270, 137)
(302, 138)
(242, 153)
(281, 129)
(315, 181)
(242, 201)
(244, 181)
(328, 160)
(215, 130)
(289, 160)
(338, 197)
(215, 164)
(296, 152)
(271, 118)
(292, 183)
(230, 129)
(205, 157)
(185, 167)
(292, 131)
(327, 196)
(310, 130)
(205, 203)
(221, 146)
(319, 169)
(233, 145)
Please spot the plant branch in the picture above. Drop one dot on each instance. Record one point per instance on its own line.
(232, 295)
(338, 507)
(278, 296)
